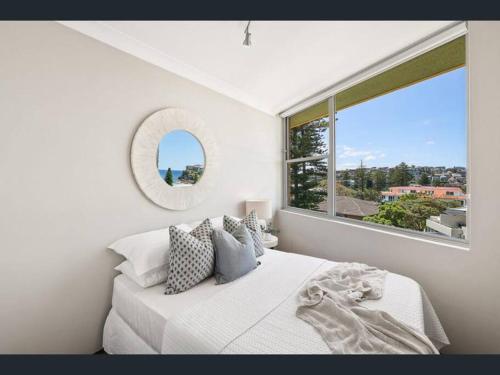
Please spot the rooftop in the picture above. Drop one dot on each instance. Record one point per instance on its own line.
(437, 191)
(350, 206)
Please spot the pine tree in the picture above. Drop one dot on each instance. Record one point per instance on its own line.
(369, 182)
(308, 186)
(380, 180)
(400, 175)
(361, 177)
(424, 179)
(345, 178)
(169, 177)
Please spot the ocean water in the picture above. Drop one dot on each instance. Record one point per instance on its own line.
(177, 174)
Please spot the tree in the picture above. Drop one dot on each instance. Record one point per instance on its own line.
(169, 177)
(345, 178)
(307, 179)
(437, 182)
(424, 179)
(400, 175)
(370, 195)
(369, 182)
(341, 190)
(410, 211)
(360, 177)
(380, 180)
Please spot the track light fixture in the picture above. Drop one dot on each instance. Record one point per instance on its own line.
(247, 42)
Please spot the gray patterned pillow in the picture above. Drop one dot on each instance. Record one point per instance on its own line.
(252, 223)
(192, 257)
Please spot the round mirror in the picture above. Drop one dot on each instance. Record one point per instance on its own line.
(177, 139)
(180, 159)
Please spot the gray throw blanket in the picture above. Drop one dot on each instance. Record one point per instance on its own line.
(329, 302)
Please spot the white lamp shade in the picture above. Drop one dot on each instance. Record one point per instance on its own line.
(263, 208)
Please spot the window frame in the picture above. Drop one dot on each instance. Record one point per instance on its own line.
(354, 80)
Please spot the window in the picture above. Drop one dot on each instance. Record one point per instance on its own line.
(398, 148)
(307, 165)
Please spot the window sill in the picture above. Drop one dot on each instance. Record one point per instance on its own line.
(397, 232)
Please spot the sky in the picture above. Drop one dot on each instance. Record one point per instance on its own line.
(423, 124)
(179, 148)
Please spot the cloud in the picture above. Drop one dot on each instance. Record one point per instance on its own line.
(349, 152)
(430, 142)
(365, 155)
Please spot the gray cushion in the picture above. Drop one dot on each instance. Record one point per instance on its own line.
(253, 226)
(234, 254)
(192, 257)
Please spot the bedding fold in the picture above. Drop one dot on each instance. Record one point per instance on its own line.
(330, 303)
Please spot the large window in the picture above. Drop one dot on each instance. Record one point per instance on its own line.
(398, 148)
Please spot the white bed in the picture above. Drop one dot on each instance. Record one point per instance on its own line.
(252, 315)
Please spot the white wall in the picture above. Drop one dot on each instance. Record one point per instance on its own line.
(69, 108)
(464, 286)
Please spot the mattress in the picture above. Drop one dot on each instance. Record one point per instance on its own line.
(146, 311)
(256, 313)
(119, 338)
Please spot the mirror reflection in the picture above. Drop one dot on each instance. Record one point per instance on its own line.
(180, 159)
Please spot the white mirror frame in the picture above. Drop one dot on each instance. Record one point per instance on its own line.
(143, 159)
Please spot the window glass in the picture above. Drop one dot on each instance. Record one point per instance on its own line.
(308, 132)
(308, 184)
(401, 157)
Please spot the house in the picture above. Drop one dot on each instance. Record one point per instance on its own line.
(451, 223)
(436, 192)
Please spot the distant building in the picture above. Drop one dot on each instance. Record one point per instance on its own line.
(191, 174)
(451, 223)
(436, 192)
(195, 167)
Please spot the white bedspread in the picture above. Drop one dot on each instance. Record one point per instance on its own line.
(256, 314)
(146, 311)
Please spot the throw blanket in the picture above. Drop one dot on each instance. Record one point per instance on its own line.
(330, 303)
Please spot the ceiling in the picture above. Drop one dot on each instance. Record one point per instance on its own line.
(287, 62)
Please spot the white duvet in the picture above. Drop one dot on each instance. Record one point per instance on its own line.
(254, 314)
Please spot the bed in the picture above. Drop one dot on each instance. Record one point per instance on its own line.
(252, 315)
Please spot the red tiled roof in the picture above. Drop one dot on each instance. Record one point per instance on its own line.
(438, 192)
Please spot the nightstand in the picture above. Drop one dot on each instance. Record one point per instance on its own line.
(269, 241)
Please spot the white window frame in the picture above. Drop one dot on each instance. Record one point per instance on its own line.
(442, 37)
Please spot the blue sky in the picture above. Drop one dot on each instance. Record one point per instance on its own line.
(423, 124)
(178, 149)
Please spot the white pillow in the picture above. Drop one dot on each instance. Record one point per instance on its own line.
(217, 223)
(146, 251)
(152, 277)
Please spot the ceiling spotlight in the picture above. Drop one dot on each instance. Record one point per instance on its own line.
(247, 42)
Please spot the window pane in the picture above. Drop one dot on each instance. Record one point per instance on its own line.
(308, 184)
(308, 132)
(437, 61)
(401, 157)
